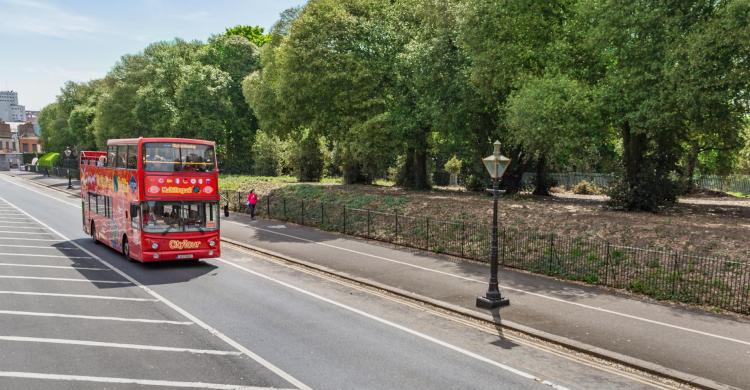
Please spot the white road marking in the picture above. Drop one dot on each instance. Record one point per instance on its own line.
(118, 345)
(38, 246)
(600, 309)
(18, 227)
(64, 279)
(14, 219)
(70, 267)
(394, 325)
(97, 318)
(16, 223)
(32, 239)
(141, 382)
(108, 297)
(284, 375)
(35, 233)
(35, 255)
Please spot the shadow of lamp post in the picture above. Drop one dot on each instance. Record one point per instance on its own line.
(496, 165)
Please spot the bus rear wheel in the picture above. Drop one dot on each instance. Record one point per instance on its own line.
(93, 233)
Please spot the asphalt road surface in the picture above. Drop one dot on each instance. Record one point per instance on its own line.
(75, 315)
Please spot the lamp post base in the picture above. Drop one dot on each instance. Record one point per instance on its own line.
(492, 303)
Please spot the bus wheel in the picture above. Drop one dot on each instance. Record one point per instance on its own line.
(93, 233)
(126, 249)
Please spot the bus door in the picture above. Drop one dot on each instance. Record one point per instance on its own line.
(134, 229)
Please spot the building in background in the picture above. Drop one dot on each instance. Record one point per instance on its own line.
(10, 110)
(28, 138)
(10, 156)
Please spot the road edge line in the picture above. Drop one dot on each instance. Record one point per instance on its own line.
(649, 367)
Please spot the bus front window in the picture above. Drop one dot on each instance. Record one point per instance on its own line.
(166, 217)
(178, 157)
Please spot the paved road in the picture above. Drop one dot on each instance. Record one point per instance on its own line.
(77, 315)
(694, 342)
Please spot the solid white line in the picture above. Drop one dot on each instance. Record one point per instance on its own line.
(106, 297)
(169, 303)
(389, 323)
(35, 255)
(98, 318)
(64, 279)
(31, 239)
(38, 246)
(616, 313)
(70, 267)
(16, 223)
(5, 231)
(14, 219)
(141, 382)
(118, 345)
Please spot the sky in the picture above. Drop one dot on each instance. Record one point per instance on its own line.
(45, 43)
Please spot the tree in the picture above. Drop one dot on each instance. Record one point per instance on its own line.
(551, 117)
(253, 34)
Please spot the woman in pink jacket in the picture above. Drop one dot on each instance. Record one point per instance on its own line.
(252, 200)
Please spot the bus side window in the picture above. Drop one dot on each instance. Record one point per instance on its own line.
(111, 156)
(122, 156)
(134, 216)
(132, 156)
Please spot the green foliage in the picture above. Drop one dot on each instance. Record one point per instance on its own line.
(453, 166)
(271, 156)
(307, 157)
(49, 160)
(253, 34)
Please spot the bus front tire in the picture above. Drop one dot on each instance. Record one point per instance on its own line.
(126, 249)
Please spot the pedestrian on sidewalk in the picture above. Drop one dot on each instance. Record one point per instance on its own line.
(252, 200)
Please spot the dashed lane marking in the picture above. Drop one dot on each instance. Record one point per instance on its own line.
(32, 239)
(36, 255)
(38, 247)
(252, 355)
(8, 231)
(70, 267)
(141, 382)
(18, 227)
(96, 318)
(117, 345)
(64, 279)
(84, 296)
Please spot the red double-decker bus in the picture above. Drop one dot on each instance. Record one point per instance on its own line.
(153, 199)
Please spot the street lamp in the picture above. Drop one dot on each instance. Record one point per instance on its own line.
(496, 165)
(68, 152)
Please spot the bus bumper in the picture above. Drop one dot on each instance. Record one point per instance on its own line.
(180, 255)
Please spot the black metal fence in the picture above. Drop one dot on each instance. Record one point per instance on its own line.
(55, 171)
(733, 183)
(659, 274)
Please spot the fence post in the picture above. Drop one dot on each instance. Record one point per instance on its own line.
(675, 273)
(368, 223)
(427, 244)
(303, 212)
(239, 201)
(606, 264)
(268, 205)
(396, 238)
(344, 222)
(463, 237)
(502, 246)
(322, 214)
(284, 202)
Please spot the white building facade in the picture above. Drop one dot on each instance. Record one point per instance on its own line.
(10, 110)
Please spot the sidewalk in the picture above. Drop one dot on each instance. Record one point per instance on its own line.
(664, 337)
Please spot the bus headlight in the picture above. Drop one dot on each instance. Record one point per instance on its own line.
(211, 243)
(154, 246)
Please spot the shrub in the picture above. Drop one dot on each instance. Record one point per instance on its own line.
(475, 183)
(308, 159)
(49, 160)
(586, 188)
(453, 166)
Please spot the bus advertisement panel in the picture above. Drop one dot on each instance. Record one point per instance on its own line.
(153, 199)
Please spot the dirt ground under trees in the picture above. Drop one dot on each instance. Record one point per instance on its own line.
(706, 225)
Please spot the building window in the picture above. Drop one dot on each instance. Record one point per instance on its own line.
(25, 148)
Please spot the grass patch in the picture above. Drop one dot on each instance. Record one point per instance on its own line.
(739, 194)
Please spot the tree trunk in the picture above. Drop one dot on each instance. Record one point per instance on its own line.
(414, 172)
(692, 161)
(512, 181)
(421, 179)
(634, 147)
(542, 177)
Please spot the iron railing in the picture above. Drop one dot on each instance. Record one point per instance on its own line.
(659, 274)
(731, 183)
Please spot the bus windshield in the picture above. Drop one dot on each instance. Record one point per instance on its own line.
(171, 216)
(178, 157)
